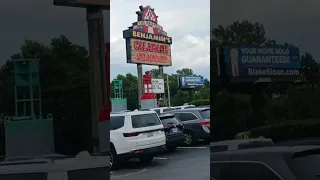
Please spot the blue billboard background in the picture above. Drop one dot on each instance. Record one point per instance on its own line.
(191, 82)
(256, 61)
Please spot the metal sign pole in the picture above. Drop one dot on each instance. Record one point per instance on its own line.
(139, 68)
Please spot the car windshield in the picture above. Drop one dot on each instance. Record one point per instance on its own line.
(307, 167)
(169, 120)
(205, 114)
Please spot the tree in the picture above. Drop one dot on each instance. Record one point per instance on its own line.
(178, 97)
(309, 68)
(240, 33)
(65, 90)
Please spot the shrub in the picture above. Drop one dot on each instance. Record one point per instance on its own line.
(200, 102)
(288, 130)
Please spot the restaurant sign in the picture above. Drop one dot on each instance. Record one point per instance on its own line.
(146, 41)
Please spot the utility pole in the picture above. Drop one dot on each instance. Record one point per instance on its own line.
(169, 103)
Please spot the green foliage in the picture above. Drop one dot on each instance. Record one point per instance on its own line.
(288, 130)
(178, 97)
(230, 114)
(200, 102)
(65, 89)
(130, 90)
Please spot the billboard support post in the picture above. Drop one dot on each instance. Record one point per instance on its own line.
(169, 103)
(97, 67)
(161, 76)
(139, 69)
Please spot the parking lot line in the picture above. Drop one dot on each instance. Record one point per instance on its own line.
(192, 147)
(160, 158)
(128, 174)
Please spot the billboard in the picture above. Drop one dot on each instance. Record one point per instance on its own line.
(157, 86)
(146, 41)
(191, 82)
(256, 61)
(105, 4)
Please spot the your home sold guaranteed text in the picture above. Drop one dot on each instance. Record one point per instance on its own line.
(260, 61)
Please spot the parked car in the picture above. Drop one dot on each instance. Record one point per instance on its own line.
(185, 106)
(173, 129)
(161, 110)
(136, 134)
(267, 163)
(196, 124)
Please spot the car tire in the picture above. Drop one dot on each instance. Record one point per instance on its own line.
(189, 138)
(145, 159)
(115, 160)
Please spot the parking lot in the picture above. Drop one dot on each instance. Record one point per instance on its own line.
(188, 163)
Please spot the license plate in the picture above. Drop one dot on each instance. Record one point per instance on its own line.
(174, 130)
(149, 134)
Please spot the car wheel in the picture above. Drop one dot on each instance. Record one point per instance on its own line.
(188, 139)
(114, 159)
(146, 159)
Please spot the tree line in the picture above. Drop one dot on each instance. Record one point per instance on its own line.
(284, 109)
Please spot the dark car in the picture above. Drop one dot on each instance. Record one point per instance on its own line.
(196, 124)
(173, 129)
(267, 163)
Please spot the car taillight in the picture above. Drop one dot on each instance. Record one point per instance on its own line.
(205, 123)
(131, 134)
(181, 124)
(165, 126)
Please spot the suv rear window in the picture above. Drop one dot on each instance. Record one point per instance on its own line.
(116, 122)
(169, 120)
(205, 114)
(145, 120)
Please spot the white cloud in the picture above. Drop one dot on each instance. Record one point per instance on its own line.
(187, 23)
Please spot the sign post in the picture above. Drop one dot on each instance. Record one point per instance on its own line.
(147, 43)
(97, 59)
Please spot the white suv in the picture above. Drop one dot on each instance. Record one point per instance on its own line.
(136, 134)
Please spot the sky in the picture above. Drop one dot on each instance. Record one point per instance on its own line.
(294, 21)
(186, 21)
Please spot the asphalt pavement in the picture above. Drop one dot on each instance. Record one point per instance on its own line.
(187, 163)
